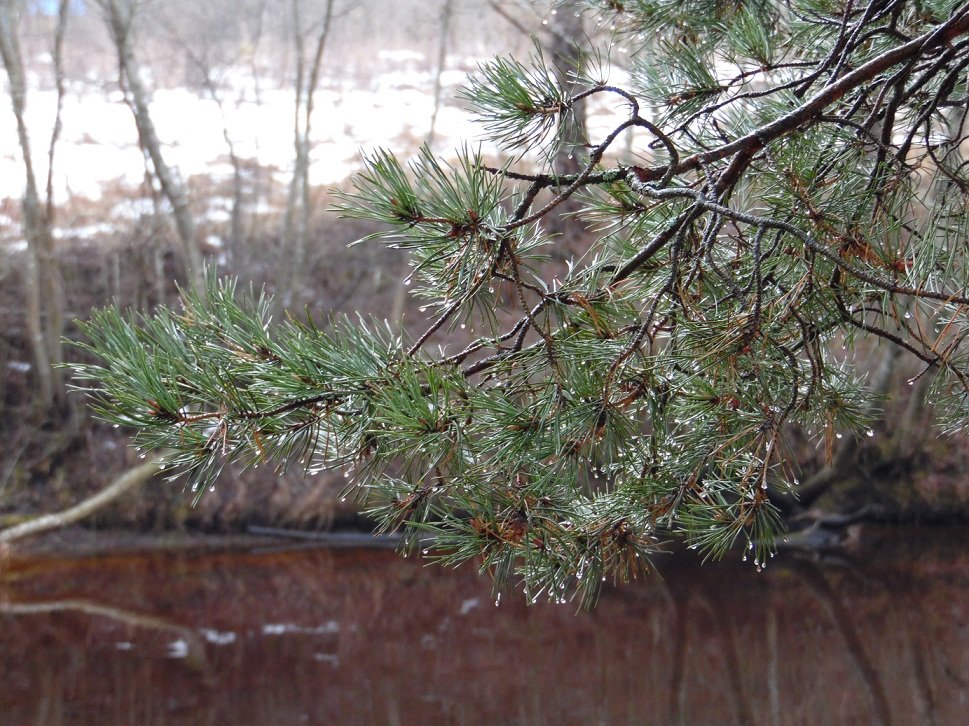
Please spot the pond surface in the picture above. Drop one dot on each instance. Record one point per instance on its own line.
(879, 634)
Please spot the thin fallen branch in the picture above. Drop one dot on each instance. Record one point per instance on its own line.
(337, 539)
(127, 481)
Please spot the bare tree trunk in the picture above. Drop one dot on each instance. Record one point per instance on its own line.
(912, 430)
(259, 186)
(914, 426)
(563, 45)
(57, 54)
(561, 40)
(297, 217)
(44, 372)
(119, 21)
(52, 282)
(444, 30)
(44, 295)
(832, 471)
(568, 58)
(286, 274)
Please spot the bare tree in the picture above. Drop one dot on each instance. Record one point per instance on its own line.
(444, 31)
(564, 43)
(119, 17)
(195, 30)
(562, 38)
(296, 219)
(43, 291)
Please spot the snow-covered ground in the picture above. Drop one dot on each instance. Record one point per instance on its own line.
(99, 141)
(98, 144)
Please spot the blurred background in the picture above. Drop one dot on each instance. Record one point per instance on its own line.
(142, 139)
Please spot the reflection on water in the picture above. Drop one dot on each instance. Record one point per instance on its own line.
(360, 637)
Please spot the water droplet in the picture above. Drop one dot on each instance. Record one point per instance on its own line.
(869, 433)
(463, 326)
(115, 426)
(838, 435)
(908, 315)
(211, 489)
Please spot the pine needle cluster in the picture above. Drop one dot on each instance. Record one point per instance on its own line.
(798, 179)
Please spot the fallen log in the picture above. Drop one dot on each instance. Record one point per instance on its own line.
(336, 539)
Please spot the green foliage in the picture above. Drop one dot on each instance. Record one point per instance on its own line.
(520, 106)
(799, 186)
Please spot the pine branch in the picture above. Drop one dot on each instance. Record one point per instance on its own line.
(644, 389)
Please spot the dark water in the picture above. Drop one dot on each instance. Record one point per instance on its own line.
(880, 635)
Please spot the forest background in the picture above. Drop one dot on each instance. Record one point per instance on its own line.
(140, 140)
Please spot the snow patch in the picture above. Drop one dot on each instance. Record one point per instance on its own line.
(327, 628)
(218, 638)
(178, 649)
